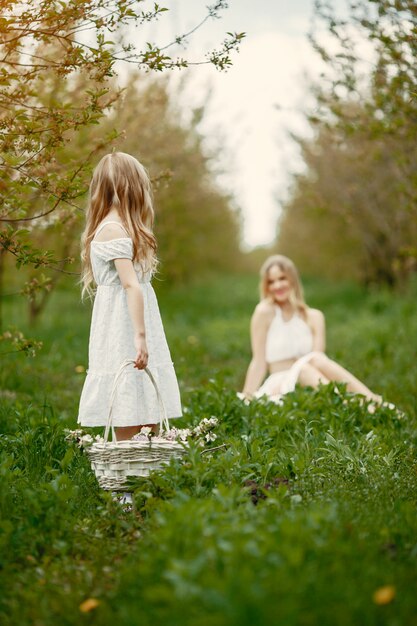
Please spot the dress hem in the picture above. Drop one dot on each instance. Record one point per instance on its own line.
(121, 423)
(282, 382)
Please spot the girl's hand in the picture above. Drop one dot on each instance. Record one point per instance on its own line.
(141, 360)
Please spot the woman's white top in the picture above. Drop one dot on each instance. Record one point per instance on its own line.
(286, 340)
(112, 341)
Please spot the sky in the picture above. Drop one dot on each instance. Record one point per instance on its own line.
(256, 104)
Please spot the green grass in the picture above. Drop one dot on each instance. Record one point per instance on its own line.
(335, 485)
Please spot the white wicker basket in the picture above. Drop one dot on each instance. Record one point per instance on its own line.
(114, 462)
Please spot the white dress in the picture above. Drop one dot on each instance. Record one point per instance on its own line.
(111, 342)
(286, 340)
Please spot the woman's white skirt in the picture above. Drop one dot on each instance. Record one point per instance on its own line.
(280, 383)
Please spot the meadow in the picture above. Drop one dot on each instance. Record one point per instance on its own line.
(307, 515)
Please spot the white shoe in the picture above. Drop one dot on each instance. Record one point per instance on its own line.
(126, 498)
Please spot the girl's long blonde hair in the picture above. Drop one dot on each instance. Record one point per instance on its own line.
(288, 268)
(121, 182)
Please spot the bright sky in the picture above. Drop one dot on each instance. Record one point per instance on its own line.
(255, 104)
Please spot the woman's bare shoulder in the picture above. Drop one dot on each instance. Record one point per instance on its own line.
(265, 310)
(314, 316)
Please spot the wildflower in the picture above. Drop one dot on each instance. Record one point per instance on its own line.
(243, 397)
(78, 436)
(85, 441)
(184, 434)
(210, 437)
(384, 595)
(73, 435)
(88, 605)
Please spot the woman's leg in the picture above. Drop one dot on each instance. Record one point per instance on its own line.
(310, 376)
(334, 371)
(280, 383)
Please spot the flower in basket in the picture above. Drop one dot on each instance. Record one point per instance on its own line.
(174, 434)
(202, 432)
(178, 434)
(145, 434)
(81, 438)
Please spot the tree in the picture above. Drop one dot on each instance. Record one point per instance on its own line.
(196, 227)
(348, 214)
(360, 172)
(46, 44)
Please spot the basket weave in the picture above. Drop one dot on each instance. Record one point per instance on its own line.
(114, 462)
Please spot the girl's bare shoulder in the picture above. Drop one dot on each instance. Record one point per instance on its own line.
(109, 231)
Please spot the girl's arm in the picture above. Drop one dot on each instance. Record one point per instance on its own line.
(260, 323)
(135, 306)
(317, 324)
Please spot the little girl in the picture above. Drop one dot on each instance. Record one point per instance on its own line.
(119, 255)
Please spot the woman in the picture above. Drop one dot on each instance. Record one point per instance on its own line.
(288, 339)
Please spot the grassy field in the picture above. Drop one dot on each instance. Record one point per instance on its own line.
(306, 517)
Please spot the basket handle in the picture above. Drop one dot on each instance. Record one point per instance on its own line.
(163, 420)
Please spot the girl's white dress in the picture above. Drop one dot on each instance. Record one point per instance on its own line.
(111, 343)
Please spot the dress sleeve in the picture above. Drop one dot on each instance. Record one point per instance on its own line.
(114, 249)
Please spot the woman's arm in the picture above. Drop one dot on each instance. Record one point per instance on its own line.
(135, 306)
(317, 324)
(260, 322)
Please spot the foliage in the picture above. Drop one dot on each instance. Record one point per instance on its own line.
(59, 66)
(196, 226)
(306, 516)
(360, 176)
(189, 206)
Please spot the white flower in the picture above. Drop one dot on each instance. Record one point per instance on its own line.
(169, 434)
(174, 434)
(85, 441)
(73, 435)
(205, 426)
(139, 436)
(184, 434)
(211, 437)
(370, 436)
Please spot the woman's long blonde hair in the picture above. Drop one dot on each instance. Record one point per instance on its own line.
(121, 182)
(288, 268)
